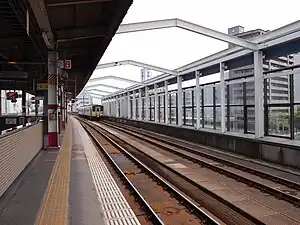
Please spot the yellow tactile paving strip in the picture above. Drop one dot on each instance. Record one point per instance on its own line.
(55, 206)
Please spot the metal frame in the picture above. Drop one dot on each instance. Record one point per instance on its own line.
(138, 64)
(97, 90)
(168, 23)
(219, 62)
(279, 36)
(115, 78)
(104, 85)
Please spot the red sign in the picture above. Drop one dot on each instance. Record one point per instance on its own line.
(68, 64)
(11, 95)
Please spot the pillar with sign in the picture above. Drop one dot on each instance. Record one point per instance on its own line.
(63, 65)
(52, 100)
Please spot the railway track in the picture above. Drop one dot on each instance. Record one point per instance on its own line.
(279, 187)
(267, 212)
(205, 199)
(161, 202)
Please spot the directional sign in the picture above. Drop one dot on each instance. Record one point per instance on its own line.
(68, 64)
(42, 86)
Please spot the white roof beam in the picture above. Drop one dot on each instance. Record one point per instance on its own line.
(278, 36)
(97, 97)
(279, 32)
(106, 92)
(138, 64)
(104, 85)
(89, 92)
(160, 24)
(115, 78)
(94, 94)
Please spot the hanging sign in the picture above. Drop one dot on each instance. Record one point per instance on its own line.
(42, 86)
(68, 64)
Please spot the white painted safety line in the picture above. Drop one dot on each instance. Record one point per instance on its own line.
(115, 208)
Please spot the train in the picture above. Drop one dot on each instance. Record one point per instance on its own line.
(91, 112)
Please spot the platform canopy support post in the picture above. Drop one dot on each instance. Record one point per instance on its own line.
(133, 116)
(66, 109)
(222, 91)
(140, 104)
(117, 114)
(63, 109)
(128, 106)
(258, 94)
(197, 93)
(147, 114)
(156, 114)
(52, 99)
(166, 102)
(179, 100)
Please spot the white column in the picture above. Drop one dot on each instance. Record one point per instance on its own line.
(123, 105)
(52, 99)
(147, 103)
(110, 107)
(123, 111)
(128, 106)
(133, 106)
(117, 107)
(197, 93)
(166, 102)
(179, 100)
(258, 94)
(140, 104)
(155, 104)
(222, 92)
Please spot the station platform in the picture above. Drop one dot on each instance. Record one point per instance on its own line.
(69, 185)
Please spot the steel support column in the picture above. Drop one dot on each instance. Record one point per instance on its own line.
(222, 92)
(179, 100)
(259, 94)
(117, 107)
(107, 107)
(63, 125)
(128, 106)
(66, 109)
(146, 103)
(120, 106)
(155, 104)
(133, 106)
(52, 99)
(197, 92)
(124, 106)
(140, 104)
(166, 103)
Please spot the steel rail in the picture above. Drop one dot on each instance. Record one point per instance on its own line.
(189, 204)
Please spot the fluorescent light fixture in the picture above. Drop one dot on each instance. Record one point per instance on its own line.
(44, 35)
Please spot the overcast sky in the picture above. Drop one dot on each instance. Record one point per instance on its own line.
(173, 47)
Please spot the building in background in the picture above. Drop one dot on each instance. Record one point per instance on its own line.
(277, 89)
(297, 82)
